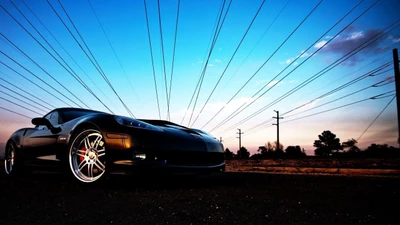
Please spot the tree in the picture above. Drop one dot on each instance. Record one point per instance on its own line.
(269, 150)
(243, 153)
(262, 150)
(294, 152)
(269, 146)
(276, 145)
(229, 154)
(327, 143)
(350, 145)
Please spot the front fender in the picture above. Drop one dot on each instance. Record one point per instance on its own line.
(17, 137)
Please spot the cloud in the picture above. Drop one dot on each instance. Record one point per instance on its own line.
(272, 83)
(320, 44)
(210, 64)
(350, 40)
(303, 54)
(290, 60)
(217, 60)
(396, 40)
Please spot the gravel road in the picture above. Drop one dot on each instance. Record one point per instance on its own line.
(227, 198)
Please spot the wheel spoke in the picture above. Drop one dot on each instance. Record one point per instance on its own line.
(81, 165)
(97, 141)
(87, 142)
(101, 154)
(81, 151)
(100, 163)
(90, 170)
(82, 155)
(98, 166)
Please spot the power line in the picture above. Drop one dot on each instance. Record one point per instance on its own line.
(254, 47)
(23, 97)
(33, 75)
(313, 108)
(239, 110)
(34, 83)
(362, 77)
(112, 47)
(30, 34)
(358, 69)
(80, 80)
(163, 57)
(43, 71)
(152, 58)
(383, 95)
(373, 121)
(15, 86)
(15, 112)
(23, 101)
(95, 63)
(216, 35)
(20, 105)
(212, 40)
(262, 66)
(337, 99)
(90, 52)
(233, 55)
(309, 80)
(173, 52)
(379, 96)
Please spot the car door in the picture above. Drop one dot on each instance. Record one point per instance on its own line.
(40, 142)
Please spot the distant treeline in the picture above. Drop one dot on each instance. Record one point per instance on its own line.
(327, 145)
(291, 152)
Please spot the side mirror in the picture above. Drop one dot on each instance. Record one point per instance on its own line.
(40, 121)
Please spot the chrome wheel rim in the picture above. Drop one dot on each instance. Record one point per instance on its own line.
(87, 156)
(9, 159)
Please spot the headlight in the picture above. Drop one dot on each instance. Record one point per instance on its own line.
(129, 122)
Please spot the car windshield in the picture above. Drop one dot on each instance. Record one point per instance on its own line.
(73, 114)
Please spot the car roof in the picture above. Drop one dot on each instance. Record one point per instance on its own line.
(66, 109)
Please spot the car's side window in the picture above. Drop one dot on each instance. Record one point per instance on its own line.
(53, 118)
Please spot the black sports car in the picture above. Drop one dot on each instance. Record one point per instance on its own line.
(90, 143)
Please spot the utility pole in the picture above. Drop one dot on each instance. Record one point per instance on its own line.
(397, 81)
(277, 130)
(240, 142)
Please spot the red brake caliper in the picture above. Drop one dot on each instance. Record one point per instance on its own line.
(81, 158)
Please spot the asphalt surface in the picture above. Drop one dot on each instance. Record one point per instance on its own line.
(227, 198)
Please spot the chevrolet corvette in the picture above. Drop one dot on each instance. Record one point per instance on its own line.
(90, 144)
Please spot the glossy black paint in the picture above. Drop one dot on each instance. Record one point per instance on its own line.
(170, 147)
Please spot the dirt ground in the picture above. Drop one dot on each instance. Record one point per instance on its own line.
(310, 165)
(382, 163)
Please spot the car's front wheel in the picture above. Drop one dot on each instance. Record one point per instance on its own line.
(87, 155)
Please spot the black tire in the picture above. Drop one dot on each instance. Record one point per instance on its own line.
(13, 161)
(87, 156)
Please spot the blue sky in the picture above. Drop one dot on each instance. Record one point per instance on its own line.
(266, 43)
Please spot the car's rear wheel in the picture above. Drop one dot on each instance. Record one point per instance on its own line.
(87, 156)
(12, 163)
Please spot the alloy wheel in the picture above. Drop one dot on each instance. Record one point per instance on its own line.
(9, 158)
(87, 156)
